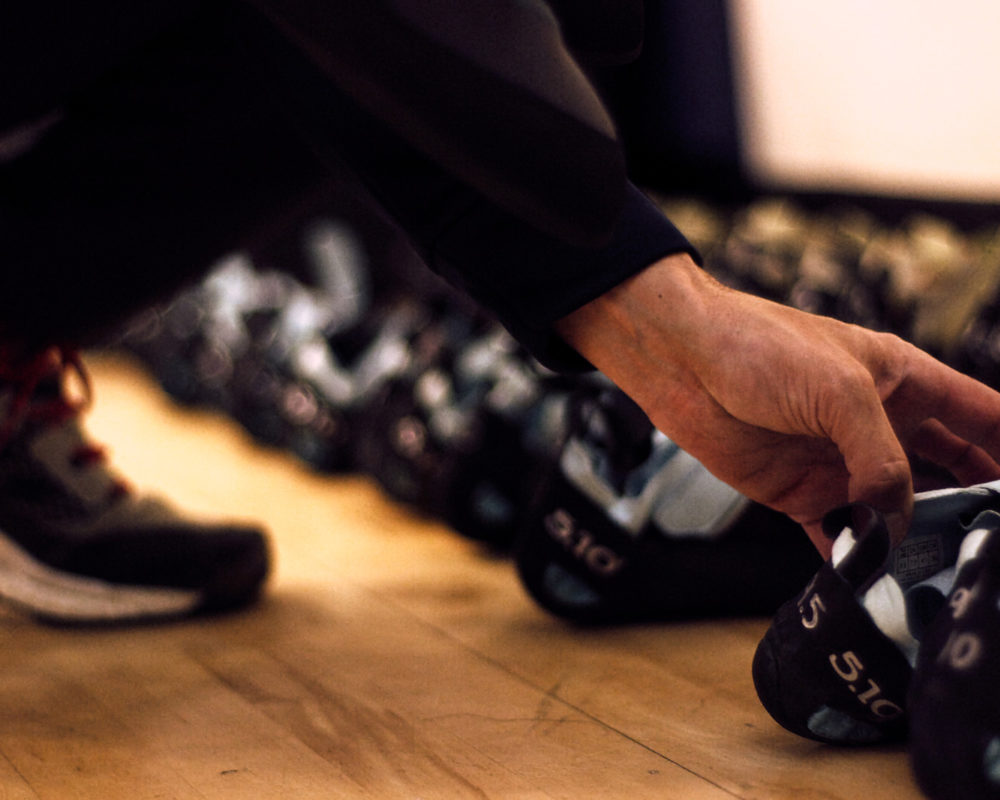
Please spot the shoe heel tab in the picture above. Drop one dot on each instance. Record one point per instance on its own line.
(859, 517)
(871, 541)
(988, 518)
(981, 538)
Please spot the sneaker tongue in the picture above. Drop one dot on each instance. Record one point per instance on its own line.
(16, 405)
(55, 446)
(48, 388)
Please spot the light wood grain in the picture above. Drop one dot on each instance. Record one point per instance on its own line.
(389, 659)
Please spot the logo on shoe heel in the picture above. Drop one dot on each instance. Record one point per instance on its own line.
(582, 545)
(851, 670)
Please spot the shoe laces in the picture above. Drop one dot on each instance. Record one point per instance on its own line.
(24, 375)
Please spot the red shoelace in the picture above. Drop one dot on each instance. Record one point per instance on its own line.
(24, 374)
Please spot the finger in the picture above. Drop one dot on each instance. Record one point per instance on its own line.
(822, 543)
(876, 462)
(962, 405)
(967, 462)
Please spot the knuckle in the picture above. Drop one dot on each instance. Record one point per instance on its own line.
(892, 473)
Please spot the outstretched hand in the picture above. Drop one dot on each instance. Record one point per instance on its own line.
(799, 412)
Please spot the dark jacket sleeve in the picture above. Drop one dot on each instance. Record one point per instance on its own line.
(524, 270)
(531, 280)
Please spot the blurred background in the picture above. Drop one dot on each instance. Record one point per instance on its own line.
(893, 100)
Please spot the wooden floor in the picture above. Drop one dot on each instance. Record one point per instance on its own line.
(389, 659)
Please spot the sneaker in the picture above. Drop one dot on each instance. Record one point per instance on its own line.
(193, 343)
(76, 544)
(333, 377)
(836, 663)
(628, 527)
(464, 433)
(954, 714)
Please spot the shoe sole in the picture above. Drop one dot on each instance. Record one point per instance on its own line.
(61, 597)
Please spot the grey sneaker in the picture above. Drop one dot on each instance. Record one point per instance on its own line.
(76, 544)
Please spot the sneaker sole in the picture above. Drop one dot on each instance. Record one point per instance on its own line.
(61, 597)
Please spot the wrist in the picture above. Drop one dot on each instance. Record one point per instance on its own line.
(660, 311)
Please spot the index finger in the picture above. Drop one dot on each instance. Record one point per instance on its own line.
(963, 406)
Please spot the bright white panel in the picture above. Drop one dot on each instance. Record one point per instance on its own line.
(890, 96)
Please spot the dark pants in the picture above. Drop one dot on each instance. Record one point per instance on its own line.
(154, 171)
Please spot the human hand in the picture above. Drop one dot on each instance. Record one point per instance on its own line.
(798, 412)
